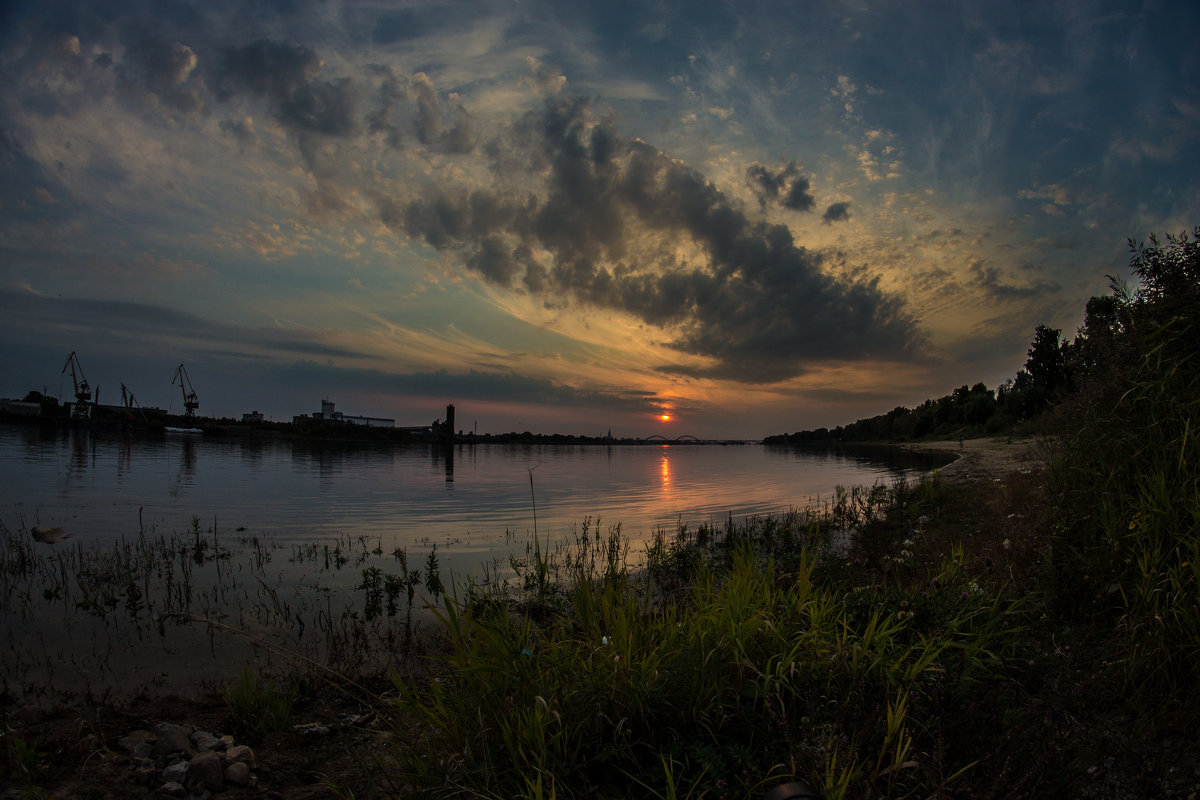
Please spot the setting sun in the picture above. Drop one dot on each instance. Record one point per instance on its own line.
(665, 417)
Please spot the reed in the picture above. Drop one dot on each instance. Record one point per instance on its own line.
(715, 671)
(1128, 544)
(258, 705)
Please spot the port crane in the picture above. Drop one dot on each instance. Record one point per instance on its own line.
(81, 409)
(129, 401)
(189, 392)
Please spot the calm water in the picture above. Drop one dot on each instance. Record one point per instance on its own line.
(102, 487)
(306, 547)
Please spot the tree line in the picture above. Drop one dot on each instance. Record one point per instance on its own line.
(1116, 331)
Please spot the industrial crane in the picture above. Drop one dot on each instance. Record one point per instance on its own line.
(81, 409)
(189, 392)
(129, 401)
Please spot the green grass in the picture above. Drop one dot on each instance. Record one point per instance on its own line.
(728, 665)
(944, 652)
(258, 706)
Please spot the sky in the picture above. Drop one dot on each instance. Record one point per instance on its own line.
(724, 220)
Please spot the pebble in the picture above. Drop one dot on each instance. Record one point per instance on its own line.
(240, 753)
(206, 741)
(175, 773)
(206, 770)
(172, 789)
(136, 739)
(172, 739)
(238, 773)
(178, 761)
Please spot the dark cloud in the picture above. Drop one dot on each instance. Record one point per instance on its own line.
(411, 108)
(837, 212)
(758, 305)
(285, 75)
(107, 321)
(990, 281)
(785, 186)
(166, 71)
(242, 130)
(447, 129)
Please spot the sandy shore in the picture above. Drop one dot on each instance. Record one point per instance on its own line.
(989, 457)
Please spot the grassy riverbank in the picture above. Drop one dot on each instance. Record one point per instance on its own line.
(933, 656)
(944, 649)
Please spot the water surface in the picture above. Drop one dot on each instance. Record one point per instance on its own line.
(188, 556)
(104, 486)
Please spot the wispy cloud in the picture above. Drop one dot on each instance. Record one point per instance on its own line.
(675, 203)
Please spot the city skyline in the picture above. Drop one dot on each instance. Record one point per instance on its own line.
(717, 219)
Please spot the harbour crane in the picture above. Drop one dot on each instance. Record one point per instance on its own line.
(81, 409)
(129, 401)
(189, 392)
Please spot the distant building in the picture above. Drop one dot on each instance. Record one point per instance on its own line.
(372, 422)
(444, 429)
(19, 408)
(252, 417)
(329, 414)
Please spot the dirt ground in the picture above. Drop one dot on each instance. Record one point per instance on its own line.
(76, 749)
(989, 458)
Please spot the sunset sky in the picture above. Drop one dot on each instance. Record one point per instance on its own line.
(570, 217)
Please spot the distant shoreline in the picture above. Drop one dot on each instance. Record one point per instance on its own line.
(357, 434)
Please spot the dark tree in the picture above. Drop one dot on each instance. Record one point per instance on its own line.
(1047, 367)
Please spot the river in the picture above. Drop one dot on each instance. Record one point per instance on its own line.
(287, 526)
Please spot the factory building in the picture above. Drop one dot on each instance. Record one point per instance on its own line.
(329, 414)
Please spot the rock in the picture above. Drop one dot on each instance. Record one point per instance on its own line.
(146, 774)
(205, 740)
(175, 773)
(136, 738)
(206, 770)
(172, 739)
(238, 773)
(226, 742)
(172, 789)
(311, 729)
(44, 533)
(240, 753)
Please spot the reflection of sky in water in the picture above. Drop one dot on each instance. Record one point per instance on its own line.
(465, 499)
(326, 514)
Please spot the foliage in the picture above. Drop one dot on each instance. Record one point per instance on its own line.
(258, 706)
(1129, 482)
(714, 680)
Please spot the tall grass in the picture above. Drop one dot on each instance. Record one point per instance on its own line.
(1128, 544)
(719, 670)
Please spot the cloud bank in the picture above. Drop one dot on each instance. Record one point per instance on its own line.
(603, 227)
